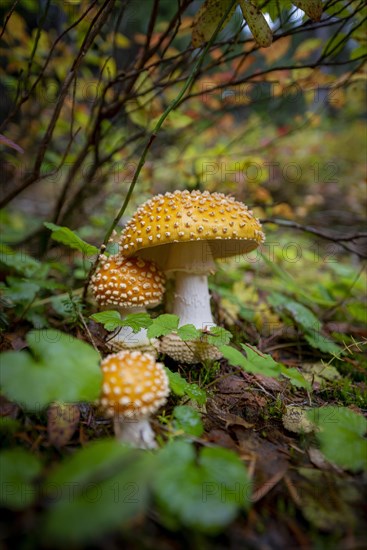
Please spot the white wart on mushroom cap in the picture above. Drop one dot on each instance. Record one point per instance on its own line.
(131, 285)
(184, 233)
(134, 388)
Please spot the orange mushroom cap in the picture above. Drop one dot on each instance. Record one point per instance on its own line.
(127, 282)
(134, 385)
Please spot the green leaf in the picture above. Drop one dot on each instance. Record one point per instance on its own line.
(324, 344)
(59, 368)
(260, 363)
(106, 481)
(66, 236)
(295, 377)
(204, 493)
(18, 469)
(358, 311)
(66, 306)
(219, 336)
(188, 420)
(312, 8)
(358, 52)
(300, 313)
(21, 262)
(179, 386)
(197, 394)
(207, 19)
(340, 435)
(189, 332)
(257, 23)
(255, 362)
(20, 291)
(162, 325)
(111, 320)
(137, 321)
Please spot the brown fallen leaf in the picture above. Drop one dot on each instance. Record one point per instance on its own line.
(221, 438)
(228, 418)
(63, 420)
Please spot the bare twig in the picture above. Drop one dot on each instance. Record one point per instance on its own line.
(339, 239)
(8, 16)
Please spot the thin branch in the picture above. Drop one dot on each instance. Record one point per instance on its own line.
(8, 16)
(338, 239)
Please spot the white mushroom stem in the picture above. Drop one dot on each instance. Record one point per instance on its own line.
(192, 262)
(136, 432)
(192, 300)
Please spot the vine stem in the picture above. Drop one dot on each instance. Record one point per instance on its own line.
(171, 107)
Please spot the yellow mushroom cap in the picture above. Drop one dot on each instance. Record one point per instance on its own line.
(183, 216)
(127, 282)
(134, 385)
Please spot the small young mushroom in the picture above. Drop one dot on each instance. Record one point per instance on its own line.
(134, 387)
(131, 285)
(184, 233)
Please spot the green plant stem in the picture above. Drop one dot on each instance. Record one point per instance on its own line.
(171, 107)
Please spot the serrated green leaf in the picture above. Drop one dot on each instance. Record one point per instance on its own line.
(18, 469)
(176, 382)
(341, 436)
(203, 493)
(219, 336)
(188, 420)
(110, 319)
(300, 313)
(295, 377)
(255, 362)
(162, 325)
(188, 332)
(261, 362)
(207, 19)
(324, 344)
(68, 237)
(137, 321)
(179, 386)
(312, 8)
(257, 23)
(59, 368)
(197, 394)
(66, 306)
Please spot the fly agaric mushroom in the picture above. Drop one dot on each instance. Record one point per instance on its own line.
(184, 233)
(134, 387)
(132, 285)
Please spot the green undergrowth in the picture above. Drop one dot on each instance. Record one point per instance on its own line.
(274, 323)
